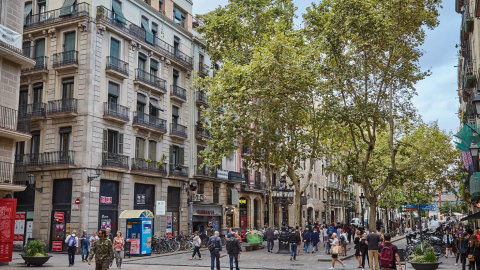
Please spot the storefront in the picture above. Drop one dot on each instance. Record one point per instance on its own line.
(243, 214)
(173, 212)
(144, 196)
(61, 210)
(108, 205)
(202, 214)
(24, 216)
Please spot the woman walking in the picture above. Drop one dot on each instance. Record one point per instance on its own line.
(118, 243)
(463, 249)
(335, 246)
(448, 241)
(356, 243)
(364, 250)
(196, 246)
(474, 249)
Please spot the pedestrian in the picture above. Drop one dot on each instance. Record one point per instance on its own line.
(473, 252)
(463, 249)
(458, 246)
(307, 238)
(270, 239)
(343, 241)
(315, 239)
(215, 246)
(72, 247)
(84, 245)
(102, 251)
(350, 232)
(109, 236)
(294, 239)
(233, 249)
(448, 241)
(389, 255)
(372, 241)
(356, 243)
(93, 238)
(409, 234)
(364, 250)
(325, 237)
(335, 251)
(118, 243)
(197, 242)
(209, 229)
(299, 244)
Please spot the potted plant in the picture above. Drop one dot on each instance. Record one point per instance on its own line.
(161, 162)
(148, 160)
(424, 259)
(34, 253)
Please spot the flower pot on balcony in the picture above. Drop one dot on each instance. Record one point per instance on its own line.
(470, 80)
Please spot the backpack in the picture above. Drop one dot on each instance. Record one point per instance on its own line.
(72, 241)
(330, 231)
(293, 237)
(213, 245)
(342, 238)
(386, 256)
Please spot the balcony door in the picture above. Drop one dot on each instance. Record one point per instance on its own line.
(23, 100)
(69, 47)
(35, 147)
(40, 52)
(37, 98)
(114, 53)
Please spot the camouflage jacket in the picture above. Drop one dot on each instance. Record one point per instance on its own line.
(102, 250)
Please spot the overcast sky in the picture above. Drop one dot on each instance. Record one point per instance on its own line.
(437, 98)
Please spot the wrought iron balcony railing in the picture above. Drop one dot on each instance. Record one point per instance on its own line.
(33, 109)
(114, 160)
(65, 58)
(56, 15)
(117, 110)
(149, 120)
(201, 97)
(202, 69)
(47, 158)
(9, 120)
(117, 64)
(200, 130)
(142, 75)
(178, 129)
(62, 105)
(179, 92)
(6, 172)
(180, 170)
(40, 63)
(141, 164)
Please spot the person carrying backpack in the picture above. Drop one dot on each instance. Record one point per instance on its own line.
(233, 249)
(72, 247)
(215, 246)
(293, 239)
(389, 254)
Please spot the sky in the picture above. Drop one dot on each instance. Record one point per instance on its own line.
(437, 98)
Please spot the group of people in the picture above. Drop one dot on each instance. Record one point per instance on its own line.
(464, 245)
(102, 246)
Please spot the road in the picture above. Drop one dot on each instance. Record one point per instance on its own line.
(259, 259)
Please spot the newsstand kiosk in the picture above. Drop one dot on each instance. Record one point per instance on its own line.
(139, 231)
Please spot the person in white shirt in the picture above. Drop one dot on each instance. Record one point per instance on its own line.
(93, 238)
(408, 233)
(72, 247)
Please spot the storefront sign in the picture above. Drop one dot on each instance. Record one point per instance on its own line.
(160, 209)
(242, 201)
(57, 245)
(59, 216)
(19, 231)
(105, 200)
(205, 212)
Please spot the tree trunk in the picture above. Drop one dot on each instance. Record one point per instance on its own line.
(270, 198)
(372, 215)
(298, 209)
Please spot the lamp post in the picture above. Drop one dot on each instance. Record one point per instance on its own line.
(283, 193)
(474, 151)
(362, 202)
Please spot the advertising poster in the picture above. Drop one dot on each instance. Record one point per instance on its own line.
(29, 230)
(135, 247)
(160, 208)
(18, 233)
(57, 245)
(169, 225)
(146, 237)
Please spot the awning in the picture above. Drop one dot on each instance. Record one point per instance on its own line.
(149, 34)
(136, 214)
(117, 12)
(12, 187)
(472, 216)
(67, 8)
(154, 104)
(28, 9)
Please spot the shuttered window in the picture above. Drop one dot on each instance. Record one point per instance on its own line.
(115, 48)
(139, 148)
(117, 12)
(149, 34)
(152, 150)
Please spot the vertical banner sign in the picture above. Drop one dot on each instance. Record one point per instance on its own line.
(146, 236)
(19, 231)
(7, 226)
(169, 225)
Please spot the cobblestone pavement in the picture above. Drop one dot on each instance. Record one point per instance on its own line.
(259, 259)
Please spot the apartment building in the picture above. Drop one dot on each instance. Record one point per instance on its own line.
(12, 128)
(116, 124)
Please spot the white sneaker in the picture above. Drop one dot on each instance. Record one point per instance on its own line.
(344, 265)
(331, 268)
(456, 264)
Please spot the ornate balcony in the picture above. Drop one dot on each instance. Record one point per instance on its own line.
(65, 60)
(178, 131)
(201, 98)
(6, 172)
(13, 127)
(178, 170)
(178, 93)
(149, 122)
(57, 15)
(141, 165)
(40, 66)
(115, 112)
(150, 81)
(54, 158)
(201, 132)
(202, 69)
(117, 67)
(115, 160)
(34, 110)
(62, 108)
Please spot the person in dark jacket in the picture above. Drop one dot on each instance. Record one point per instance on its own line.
(307, 238)
(356, 242)
(270, 237)
(315, 239)
(215, 253)
(233, 249)
(463, 249)
(293, 239)
(474, 249)
(364, 250)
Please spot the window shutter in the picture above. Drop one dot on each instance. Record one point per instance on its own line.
(181, 156)
(105, 140)
(115, 48)
(120, 143)
(117, 11)
(149, 35)
(171, 154)
(152, 150)
(28, 9)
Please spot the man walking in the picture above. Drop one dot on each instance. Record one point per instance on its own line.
(270, 237)
(307, 238)
(84, 245)
(102, 251)
(294, 238)
(215, 246)
(72, 247)
(233, 249)
(372, 241)
(389, 254)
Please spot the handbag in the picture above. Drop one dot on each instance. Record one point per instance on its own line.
(337, 250)
(471, 257)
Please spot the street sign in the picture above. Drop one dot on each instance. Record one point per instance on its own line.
(423, 207)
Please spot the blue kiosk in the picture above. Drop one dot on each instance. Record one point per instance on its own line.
(139, 231)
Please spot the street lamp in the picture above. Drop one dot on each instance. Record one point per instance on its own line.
(283, 193)
(362, 202)
(474, 151)
(476, 102)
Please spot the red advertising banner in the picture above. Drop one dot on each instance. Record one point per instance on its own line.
(59, 216)
(7, 226)
(57, 245)
(135, 247)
